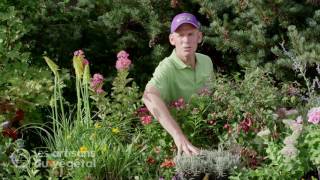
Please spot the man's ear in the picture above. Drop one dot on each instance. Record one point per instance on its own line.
(200, 36)
(171, 39)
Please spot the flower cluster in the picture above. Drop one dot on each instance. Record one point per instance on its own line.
(168, 163)
(80, 54)
(204, 91)
(115, 130)
(96, 83)
(151, 160)
(123, 63)
(179, 104)
(144, 115)
(314, 115)
(246, 124)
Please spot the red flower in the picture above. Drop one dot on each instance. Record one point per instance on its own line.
(246, 124)
(142, 111)
(19, 115)
(151, 160)
(10, 132)
(168, 163)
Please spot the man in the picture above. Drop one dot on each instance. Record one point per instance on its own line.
(181, 74)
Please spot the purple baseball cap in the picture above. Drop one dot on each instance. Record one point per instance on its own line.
(183, 18)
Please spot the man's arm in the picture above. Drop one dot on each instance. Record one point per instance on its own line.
(159, 110)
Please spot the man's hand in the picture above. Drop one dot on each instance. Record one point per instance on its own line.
(184, 146)
(159, 110)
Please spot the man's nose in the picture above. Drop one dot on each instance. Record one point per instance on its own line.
(185, 39)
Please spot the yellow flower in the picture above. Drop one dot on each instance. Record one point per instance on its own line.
(97, 125)
(83, 149)
(115, 130)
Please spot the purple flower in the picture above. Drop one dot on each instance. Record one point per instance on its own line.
(314, 115)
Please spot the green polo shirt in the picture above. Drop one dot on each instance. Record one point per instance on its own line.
(174, 79)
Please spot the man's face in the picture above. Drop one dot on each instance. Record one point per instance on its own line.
(186, 39)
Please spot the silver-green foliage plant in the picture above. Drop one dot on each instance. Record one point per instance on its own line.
(214, 162)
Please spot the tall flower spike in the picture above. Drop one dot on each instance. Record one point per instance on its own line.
(54, 68)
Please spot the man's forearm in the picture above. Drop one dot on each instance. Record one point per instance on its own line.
(159, 110)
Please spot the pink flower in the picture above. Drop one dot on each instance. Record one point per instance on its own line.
(145, 120)
(96, 80)
(100, 91)
(96, 83)
(314, 115)
(204, 91)
(78, 53)
(122, 55)
(179, 104)
(123, 62)
(85, 62)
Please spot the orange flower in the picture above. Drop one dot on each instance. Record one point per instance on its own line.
(51, 163)
(151, 160)
(168, 163)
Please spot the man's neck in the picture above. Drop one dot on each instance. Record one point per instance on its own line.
(189, 60)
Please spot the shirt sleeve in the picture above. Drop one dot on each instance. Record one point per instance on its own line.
(160, 80)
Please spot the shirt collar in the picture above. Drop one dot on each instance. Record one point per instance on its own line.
(178, 62)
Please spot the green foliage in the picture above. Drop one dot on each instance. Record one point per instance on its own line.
(283, 162)
(22, 84)
(17, 162)
(107, 141)
(235, 102)
(312, 142)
